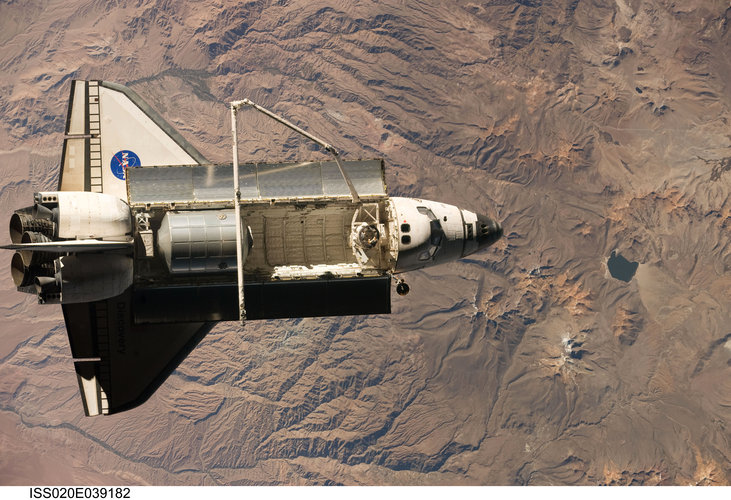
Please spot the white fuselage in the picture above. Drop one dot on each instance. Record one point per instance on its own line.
(285, 241)
(432, 233)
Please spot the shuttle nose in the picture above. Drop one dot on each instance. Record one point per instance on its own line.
(488, 231)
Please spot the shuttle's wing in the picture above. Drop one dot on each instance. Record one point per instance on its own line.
(120, 364)
(110, 128)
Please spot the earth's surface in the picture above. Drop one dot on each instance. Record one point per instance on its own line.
(592, 130)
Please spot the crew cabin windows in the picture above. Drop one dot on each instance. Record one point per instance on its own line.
(426, 211)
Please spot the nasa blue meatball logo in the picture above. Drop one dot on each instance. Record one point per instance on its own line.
(124, 159)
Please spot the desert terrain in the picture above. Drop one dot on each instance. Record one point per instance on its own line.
(592, 130)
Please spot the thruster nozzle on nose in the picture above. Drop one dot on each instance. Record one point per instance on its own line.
(488, 231)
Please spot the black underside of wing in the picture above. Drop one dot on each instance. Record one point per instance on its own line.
(125, 347)
(120, 364)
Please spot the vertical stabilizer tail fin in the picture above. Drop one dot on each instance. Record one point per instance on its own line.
(109, 128)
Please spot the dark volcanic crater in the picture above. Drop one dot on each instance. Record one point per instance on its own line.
(588, 129)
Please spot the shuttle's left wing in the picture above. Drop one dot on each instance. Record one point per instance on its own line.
(120, 364)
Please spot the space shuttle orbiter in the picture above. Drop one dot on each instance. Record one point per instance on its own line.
(146, 244)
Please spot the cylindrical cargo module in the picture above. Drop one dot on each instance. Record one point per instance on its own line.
(200, 241)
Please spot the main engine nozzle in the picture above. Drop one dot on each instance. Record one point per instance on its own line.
(23, 221)
(24, 272)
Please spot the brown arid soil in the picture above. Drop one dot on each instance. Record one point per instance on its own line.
(585, 127)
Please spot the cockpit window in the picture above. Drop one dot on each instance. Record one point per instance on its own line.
(427, 212)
